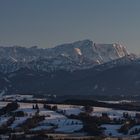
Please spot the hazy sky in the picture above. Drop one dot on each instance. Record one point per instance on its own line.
(47, 23)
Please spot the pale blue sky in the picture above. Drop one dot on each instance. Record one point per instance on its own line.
(48, 23)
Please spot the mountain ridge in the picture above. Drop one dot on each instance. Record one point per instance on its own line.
(77, 68)
(71, 56)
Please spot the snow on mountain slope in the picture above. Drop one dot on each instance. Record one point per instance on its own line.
(92, 51)
(71, 56)
(108, 52)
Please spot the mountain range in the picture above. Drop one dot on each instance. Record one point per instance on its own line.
(78, 68)
(73, 56)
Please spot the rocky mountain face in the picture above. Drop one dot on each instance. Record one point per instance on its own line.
(78, 68)
(78, 55)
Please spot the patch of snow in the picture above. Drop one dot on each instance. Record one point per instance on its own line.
(111, 129)
(18, 121)
(42, 127)
(3, 120)
(133, 128)
(69, 128)
(15, 60)
(69, 109)
(112, 113)
(78, 51)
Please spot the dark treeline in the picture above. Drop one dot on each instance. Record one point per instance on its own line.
(123, 106)
(82, 102)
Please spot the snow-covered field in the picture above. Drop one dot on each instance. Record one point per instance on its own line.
(134, 128)
(59, 122)
(69, 128)
(112, 113)
(42, 127)
(70, 109)
(18, 121)
(117, 102)
(62, 123)
(3, 120)
(53, 119)
(112, 129)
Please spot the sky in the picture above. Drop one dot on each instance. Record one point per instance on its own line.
(47, 23)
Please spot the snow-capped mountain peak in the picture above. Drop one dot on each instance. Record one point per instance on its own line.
(71, 56)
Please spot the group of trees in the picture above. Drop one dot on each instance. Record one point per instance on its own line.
(127, 125)
(9, 108)
(91, 124)
(88, 109)
(126, 115)
(118, 121)
(35, 106)
(50, 107)
(51, 137)
(4, 128)
(135, 131)
(31, 122)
